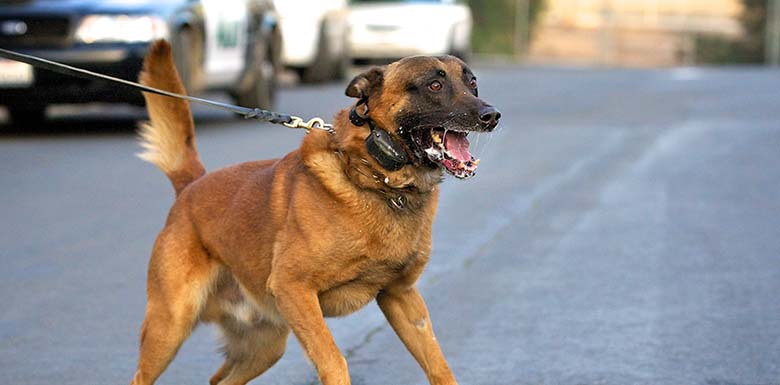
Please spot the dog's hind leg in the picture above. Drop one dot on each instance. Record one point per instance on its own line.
(179, 280)
(250, 351)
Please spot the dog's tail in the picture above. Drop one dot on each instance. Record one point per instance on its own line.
(169, 138)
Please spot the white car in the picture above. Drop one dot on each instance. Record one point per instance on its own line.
(315, 36)
(394, 29)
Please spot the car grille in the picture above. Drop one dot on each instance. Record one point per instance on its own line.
(34, 31)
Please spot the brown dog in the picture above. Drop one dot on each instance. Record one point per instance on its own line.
(262, 248)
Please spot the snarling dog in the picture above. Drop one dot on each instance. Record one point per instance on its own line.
(265, 247)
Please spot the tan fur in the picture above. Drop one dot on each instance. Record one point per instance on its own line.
(267, 247)
(169, 139)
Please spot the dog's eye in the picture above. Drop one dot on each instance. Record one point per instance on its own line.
(473, 83)
(435, 86)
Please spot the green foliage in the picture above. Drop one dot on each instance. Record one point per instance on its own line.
(753, 17)
(753, 20)
(716, 49)
(748, 49)
(494, 24)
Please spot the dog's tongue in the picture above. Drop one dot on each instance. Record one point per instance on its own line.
(457, 145)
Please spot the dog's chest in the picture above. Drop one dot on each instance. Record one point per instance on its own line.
(368, 278)
(375, 249)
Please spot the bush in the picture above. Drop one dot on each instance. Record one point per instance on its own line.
(716, 49)
(494, 24)
(748, 49)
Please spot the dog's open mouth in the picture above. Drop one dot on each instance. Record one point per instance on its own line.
(448, 149)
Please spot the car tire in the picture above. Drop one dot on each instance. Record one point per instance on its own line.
(326, 65)
(463, 53)
(264, 66)
(27, 114)
(188, 57)
(341, 65)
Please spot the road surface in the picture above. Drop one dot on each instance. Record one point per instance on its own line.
(623, 228)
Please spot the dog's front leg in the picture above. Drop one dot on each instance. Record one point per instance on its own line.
(408, 315)
(300, 306)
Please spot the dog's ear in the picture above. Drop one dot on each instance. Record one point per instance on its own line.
(367, 83)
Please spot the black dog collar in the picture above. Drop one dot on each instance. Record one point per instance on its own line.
(355, 117)
(386, 151)
(380, 145)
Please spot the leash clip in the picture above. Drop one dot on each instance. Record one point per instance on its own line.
(314, 123)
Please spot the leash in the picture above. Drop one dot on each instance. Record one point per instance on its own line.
(288, 121)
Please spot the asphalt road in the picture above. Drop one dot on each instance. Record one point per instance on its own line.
(624, 228)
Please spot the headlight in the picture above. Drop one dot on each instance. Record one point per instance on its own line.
(120, 28)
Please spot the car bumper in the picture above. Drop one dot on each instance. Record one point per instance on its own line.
(47, 87)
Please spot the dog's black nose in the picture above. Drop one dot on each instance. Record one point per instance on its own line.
(489, 116)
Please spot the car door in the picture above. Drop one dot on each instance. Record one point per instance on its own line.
(226, 33)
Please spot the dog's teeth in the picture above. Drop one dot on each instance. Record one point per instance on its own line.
(434, 153)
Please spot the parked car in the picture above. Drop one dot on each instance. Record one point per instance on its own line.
(391, 29)
(315, 34)
(226, 45)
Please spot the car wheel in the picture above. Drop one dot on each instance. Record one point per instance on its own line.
(324, 66)
(260, 92)
(27, 114)
(341, 64)
(464, 53)
(188, 56)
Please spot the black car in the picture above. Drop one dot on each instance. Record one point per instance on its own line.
(226, 45)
